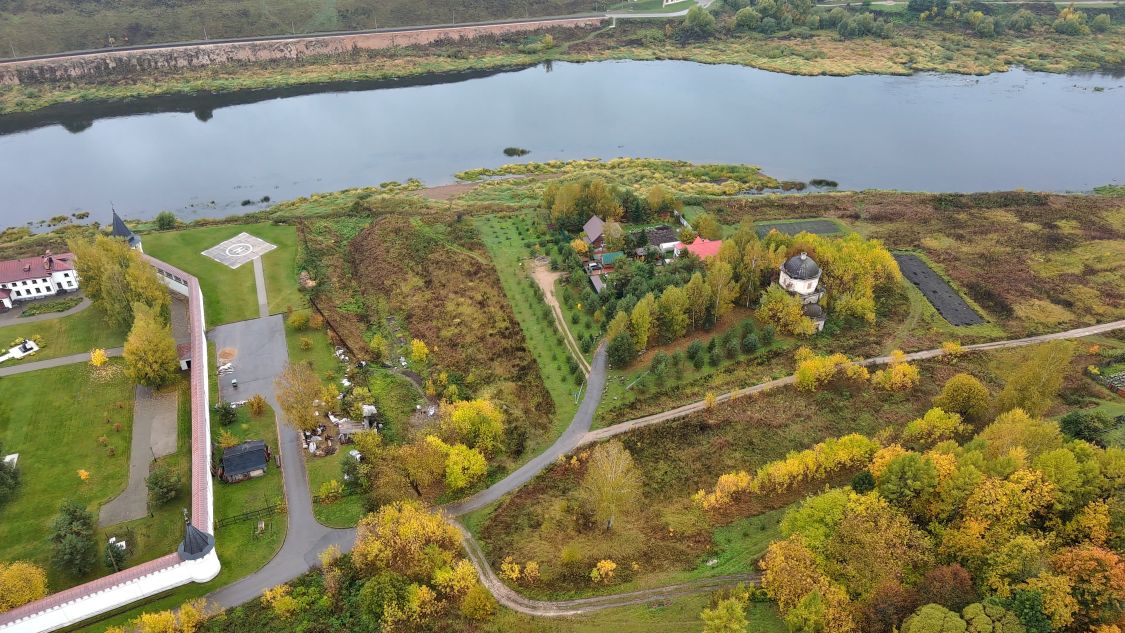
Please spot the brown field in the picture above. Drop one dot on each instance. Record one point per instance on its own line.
(1034, 262)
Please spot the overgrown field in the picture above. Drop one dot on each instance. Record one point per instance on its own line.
(913, 48)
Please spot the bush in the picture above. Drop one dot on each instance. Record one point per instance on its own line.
(256, 404)
(863, 482)
(163, 485)
(1071, 22)
(165, 220)
(299, 320)
(694, 350)
(699, 24)
(9, 479)
(224, 412)
(114, 557)
(1087, 425)
(1101, 23)
(1021, 21)
(747, 19)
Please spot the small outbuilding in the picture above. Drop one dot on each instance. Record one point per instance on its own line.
(244, 461)
(815, 313)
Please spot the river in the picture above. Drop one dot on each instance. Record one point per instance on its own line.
(924, 132)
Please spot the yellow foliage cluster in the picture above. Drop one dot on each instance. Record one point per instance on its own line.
(280, 601)
(796, 468)
(98, 357)
(20, 583)
(815, 371)
(899, 375)
(603, 572)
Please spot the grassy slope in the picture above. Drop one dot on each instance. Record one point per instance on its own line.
(229, 295)
(675, 616)
(68, 335)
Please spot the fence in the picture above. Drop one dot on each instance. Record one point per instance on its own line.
(252, 515)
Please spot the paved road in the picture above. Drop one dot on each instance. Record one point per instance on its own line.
(154, 435)
(694, 407)
(260, 286)
(568, 441)
(84, 357)
(299, 554)
(261, 357)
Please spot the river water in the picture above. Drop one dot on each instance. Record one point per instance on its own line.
(925, 132)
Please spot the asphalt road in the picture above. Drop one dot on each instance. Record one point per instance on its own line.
(261, 357)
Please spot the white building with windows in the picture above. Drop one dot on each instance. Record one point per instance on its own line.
(36, 278)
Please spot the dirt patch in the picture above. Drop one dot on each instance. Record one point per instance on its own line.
(448, 192)
(226, 355)
(546, 278)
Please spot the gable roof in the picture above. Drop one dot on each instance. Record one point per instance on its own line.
(701, 248)
(593, 229)
(124, 232)
(246, 457)
(34, 267)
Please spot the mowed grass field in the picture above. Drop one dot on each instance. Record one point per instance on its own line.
(503, 238)
(54, 418)
(229, 295)
(674, 616)
(74, 334)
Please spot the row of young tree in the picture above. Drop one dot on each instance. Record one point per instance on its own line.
(774, 16)
(1069, 21)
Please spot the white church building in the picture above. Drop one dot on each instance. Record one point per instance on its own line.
(36, 278)
(800, 275)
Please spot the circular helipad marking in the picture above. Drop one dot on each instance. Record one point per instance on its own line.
(238, 250)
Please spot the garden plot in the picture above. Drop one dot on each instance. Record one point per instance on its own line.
(818, 227)
(238, 250)
(937, 291)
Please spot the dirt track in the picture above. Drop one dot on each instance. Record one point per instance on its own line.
(546, 278)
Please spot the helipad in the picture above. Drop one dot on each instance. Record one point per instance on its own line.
(239, 249)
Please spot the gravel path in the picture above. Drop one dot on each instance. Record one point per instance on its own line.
(154, 435)
(260, 287)
(84, 357)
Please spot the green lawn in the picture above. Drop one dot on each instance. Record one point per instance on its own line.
(504, 237)
(741, 543)
(229, 295)
(56, 436)
(244, 496)
(319, 352)
(343, 513)
(74, 334)
(651, 6)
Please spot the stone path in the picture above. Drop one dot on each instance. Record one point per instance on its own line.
(84, 357)
(260, 286)
(154, 435)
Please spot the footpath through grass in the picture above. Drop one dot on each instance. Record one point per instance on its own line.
(55, 419)
(74, 334)
(674, 616)
(229, 295)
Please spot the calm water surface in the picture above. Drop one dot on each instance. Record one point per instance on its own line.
(925, 132)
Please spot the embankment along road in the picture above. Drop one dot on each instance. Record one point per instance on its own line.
(189, 55)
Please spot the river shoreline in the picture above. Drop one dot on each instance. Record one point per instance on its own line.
(822, 55)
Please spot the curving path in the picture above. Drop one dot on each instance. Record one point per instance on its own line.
(306, 538)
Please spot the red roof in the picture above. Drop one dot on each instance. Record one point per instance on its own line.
(701, 248)
(34, 267)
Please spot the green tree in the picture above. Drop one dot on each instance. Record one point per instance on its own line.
(378, 347)
(907, 479)
(705, 224)
(933, 618)
(672, 312)
(1090, 426)
(116, 278)
(622, 351)
(72, 539)
(697, 294)
(163, 485)
(747, 19)
(728, 616)
(1035, 383)
(150, 351)
(642, 319)
(1101, 23)
(114, 557)
(721, 288)
(479, 423)
(699, 24)
(612, 484)
(165, 220)
(965, 395)
(989, 617)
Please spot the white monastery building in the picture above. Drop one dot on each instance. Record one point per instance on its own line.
(36, 277)
(800, 275)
